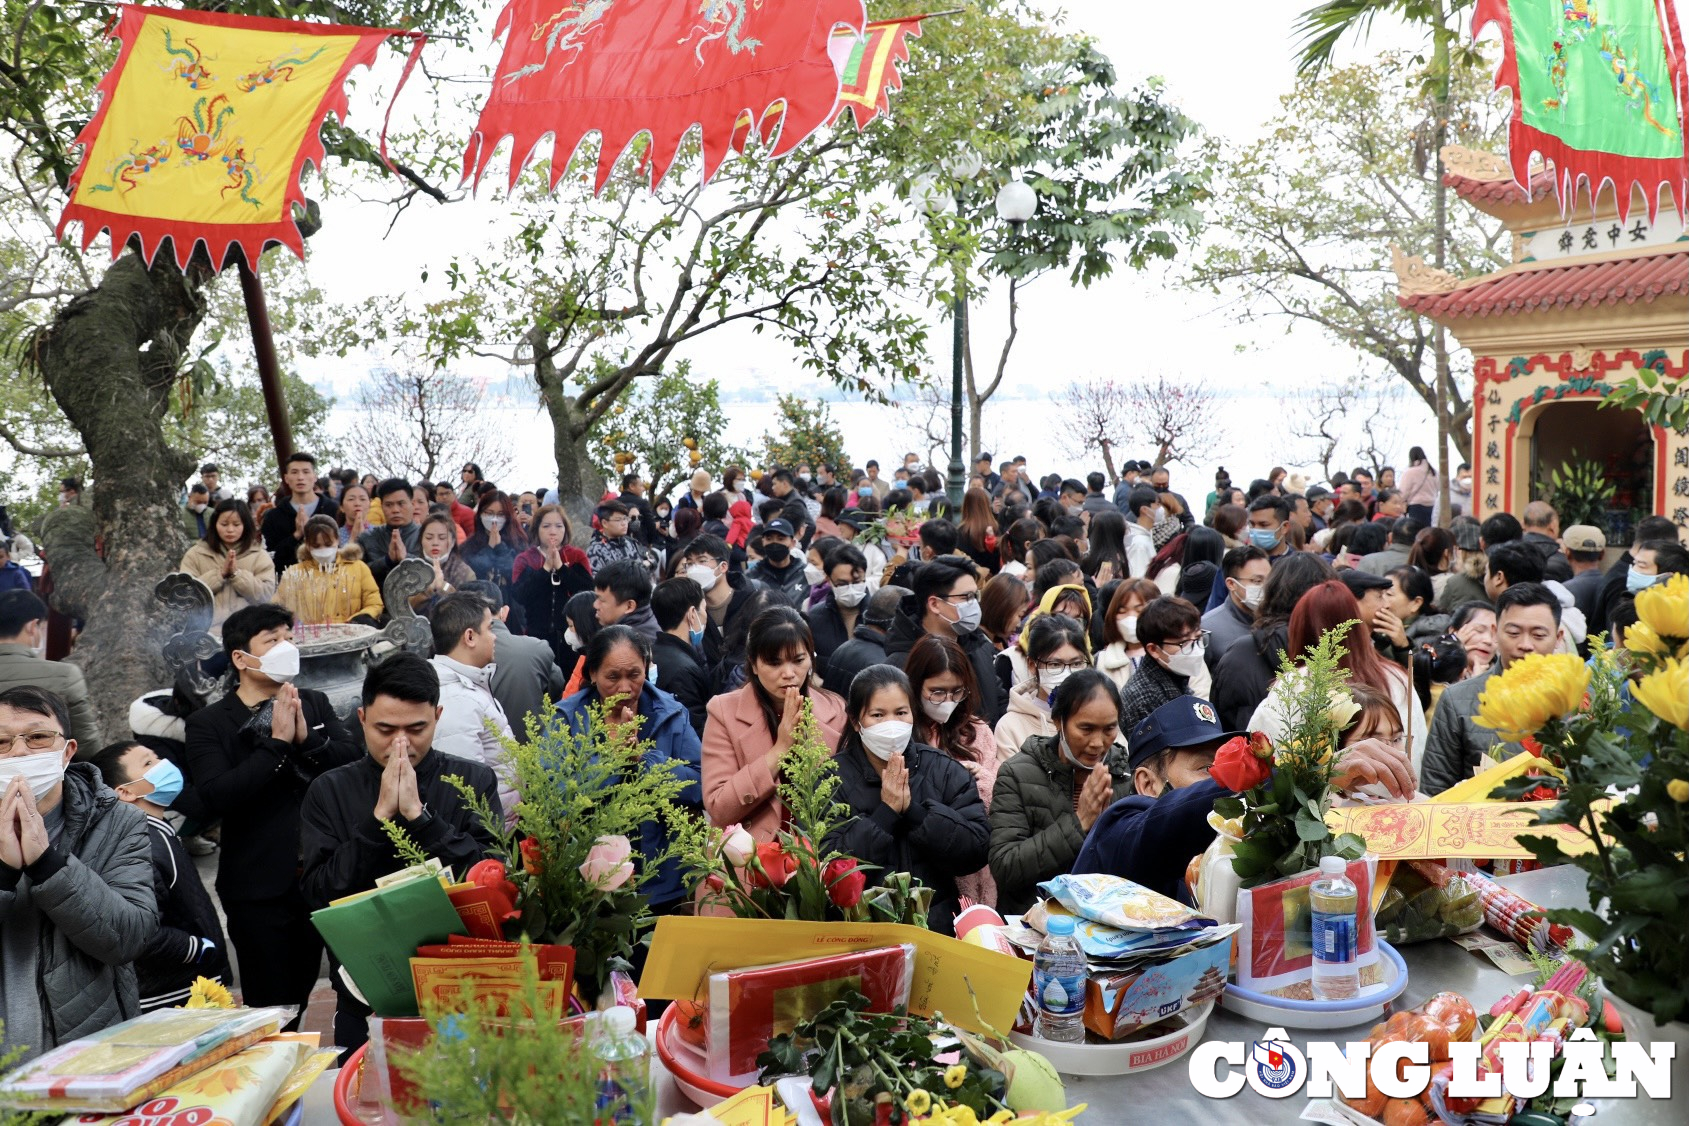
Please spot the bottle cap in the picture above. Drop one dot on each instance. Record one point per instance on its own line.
(619, 1021)
(1333, 866)
(1059, 924)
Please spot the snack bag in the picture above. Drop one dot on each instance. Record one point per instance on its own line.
(1118, 902)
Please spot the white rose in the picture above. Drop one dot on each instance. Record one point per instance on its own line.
(1342, 708)
(738, 846)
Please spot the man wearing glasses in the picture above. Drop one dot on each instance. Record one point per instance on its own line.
(76, 887)
(945, 603)
(1175, 644)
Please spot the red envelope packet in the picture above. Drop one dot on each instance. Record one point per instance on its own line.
(749, 1007)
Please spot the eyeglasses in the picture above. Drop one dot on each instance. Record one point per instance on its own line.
(943, 695)
(972, 596)
(1064, 666)
(1185, 646)
(33, 740)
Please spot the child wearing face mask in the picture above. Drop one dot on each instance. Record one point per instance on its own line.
(917, 809)
(189, 941)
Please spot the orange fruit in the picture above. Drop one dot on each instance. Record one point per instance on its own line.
(690, 1017)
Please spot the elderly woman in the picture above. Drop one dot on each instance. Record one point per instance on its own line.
(231, 560)
(749, 730)
(617, 660)
(1048, 796)
(917, 809)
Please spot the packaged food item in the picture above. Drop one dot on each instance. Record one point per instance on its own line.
(1119, 1004)
(125, 1065)
(237, 1091)
(1417, 909)
(1118, 902)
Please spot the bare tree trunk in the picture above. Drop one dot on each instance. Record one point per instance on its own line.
(115, 394)
(976, 397)
(1440, 217)
(579, 484)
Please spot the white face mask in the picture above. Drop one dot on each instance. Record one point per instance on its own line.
(851, 594)
(704, 576)
(814, 575)
(1051, 679)
(1128, 624)
(1252, 595)
(280, 662)
(1160, 513)
(324, 555)
(42, 771)
(1187, 662)
(197, 507)
(571, 638)
(492, 523)
(939, 712)
(885, 739)
(967, 617)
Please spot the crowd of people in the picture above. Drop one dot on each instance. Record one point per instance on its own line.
(1031, 683)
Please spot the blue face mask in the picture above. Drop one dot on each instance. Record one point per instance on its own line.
(1264, 538)
(865, 490)
(167, 782)
(696, 637)
(1635, 580)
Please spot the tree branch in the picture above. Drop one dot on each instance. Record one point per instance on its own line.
(28, 450)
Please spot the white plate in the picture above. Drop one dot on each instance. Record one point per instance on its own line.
(1323, 1014)
(1125, 1057)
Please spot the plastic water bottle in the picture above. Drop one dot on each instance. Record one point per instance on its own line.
(624, 1064)
(1333, 901)
(1058, 974)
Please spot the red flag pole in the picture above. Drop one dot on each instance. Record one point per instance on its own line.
(269, 370)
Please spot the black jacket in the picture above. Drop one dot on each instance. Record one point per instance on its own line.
(682, 674)
(344, 846)
(1555, 566)
(941, 835)
(789, 582)
(256, 784)
(646, 531)
(1245, 674)
(1611, 597)
(187, 921)
(867, 646)
(827, 627)
(906, 630)
(278, 526)
(544, 601)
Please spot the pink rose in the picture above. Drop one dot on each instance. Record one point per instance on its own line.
(607, 865)
(737, 845)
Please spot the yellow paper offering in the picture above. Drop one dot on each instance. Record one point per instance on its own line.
(685, 951)
(1479, 787)
(1446, 830)
(238, 1091)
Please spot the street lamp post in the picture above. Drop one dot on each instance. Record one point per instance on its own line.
(1015, 204)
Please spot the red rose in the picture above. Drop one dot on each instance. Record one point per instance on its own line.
(530, 849)
(772, 867)
(1237, 768)
(714, 882)
(490, 874)
(1260, 746)
(844, 881)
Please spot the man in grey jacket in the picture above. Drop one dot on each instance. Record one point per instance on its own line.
(1527, 621)
(23, 647)
(526, 671)
(76, 886)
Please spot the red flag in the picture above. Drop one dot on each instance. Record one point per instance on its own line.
(625, 67)
(205, 123)
(868, 65)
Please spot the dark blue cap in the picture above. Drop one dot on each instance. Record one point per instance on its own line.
(778, 528)
(1185, 722)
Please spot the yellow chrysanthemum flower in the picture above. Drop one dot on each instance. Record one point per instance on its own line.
(208, 994)
(1665, 607)
(1642, 638)
(1665, 692)
(918, 1102)
(1678, 789)
(955, 1075)
(1531, 692)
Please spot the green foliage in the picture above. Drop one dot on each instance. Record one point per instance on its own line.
(8, 1116)
(413, 854)
(1638, 867)
(1661, 399)
(579, 788)
(1305, 217)
(863, 1054)
(520, 1067)
(804, 434)
(1580, 491)
(653, 420)
(1284, 829)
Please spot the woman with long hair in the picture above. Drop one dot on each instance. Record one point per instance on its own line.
(1002, 604)
(917, 809)
(354, 512)
(1229, 520)
(1419, 485)
(491, 549)
(748, 731)
(1106, 561)
(1014, 546)
(545, 576)
(439, 550)
(976, 532)
(231, 560)
(1122, 652)
(1322, 609)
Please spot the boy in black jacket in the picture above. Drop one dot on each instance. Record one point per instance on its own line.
(189, 942)
(249, 758)
(403, 780)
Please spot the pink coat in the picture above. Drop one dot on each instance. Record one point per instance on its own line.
(977, 886)
(738, 786)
